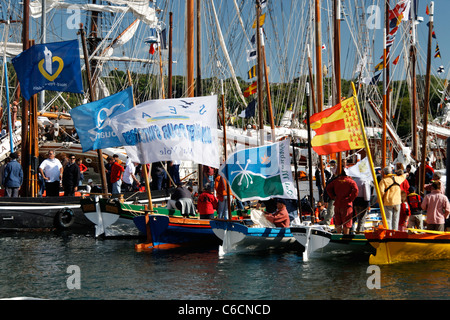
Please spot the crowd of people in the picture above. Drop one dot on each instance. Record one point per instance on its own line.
(344, 201)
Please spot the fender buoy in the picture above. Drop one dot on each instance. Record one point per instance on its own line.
(64, 218)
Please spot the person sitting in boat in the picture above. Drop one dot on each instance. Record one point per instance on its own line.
(279, 218)
(207, 203)
(321, 211)
(181, 199)
(344, 191)
(437, 207)
(391, 195)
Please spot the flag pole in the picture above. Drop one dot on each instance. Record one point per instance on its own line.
(369, 156)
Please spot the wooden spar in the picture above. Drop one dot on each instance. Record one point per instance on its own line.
(319, 80)
(161, 72)
(369, 157)
(260, 73)
(266, 77)
(33, 144)
(426, 102)
(311, 80)
(92, 96)
(225, 154)
(337, 65)
(169, 89)
(294, 156)
(414, 111)
(198, 88)
(383, 138)
(25, 105)
(387, 66)
(190, 47)
(308, 123)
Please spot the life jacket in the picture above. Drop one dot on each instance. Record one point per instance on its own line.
(414, 201)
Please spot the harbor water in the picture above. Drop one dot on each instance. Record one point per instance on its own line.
(60, 266)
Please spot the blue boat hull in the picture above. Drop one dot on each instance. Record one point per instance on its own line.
(182, 231)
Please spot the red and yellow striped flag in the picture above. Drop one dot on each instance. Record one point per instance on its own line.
(337, 129)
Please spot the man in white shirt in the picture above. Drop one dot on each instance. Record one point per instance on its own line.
(129, 178)
(51, 170)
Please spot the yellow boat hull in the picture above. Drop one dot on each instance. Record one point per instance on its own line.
(396, 246)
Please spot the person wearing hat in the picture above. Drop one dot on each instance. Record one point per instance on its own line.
(12, 177)
(279, 218)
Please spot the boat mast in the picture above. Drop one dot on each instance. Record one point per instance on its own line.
(25, 105)
(43, 40)
(319, 80)
(190, 47)
(426, 102)
(413, 53)
(169, 93)
(198, 87)
(260, 73)
(337, 64)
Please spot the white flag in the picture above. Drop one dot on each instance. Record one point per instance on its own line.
(170, 129)
(360, 170)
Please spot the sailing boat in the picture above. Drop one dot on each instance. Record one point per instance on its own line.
(397, 246)
(45, 213)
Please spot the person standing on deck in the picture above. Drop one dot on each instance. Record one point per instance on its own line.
(361, 205)
(220, 185)
(343, 190)
(116, 177)
(71, 177)
(437, 207)
(391, 194)
(12, 177)
(51, 170)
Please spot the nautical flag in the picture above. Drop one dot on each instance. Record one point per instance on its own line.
(253, 40)
(153, 48)
(379, 66)
(263, 3)
(324, 47)
(260, 173)
(427, 11)
(249, 111)
(170, 129)
(92, 120)
(337, 129)
(253, 72)
(262, 18)
(375, 79)
(251, 89)
(396, 60)
(49, 66)
(251, 55)
(440, 69)
(433, 35)
(438, 52)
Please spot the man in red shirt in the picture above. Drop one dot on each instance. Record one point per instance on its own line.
(116, 176)
(343, 190)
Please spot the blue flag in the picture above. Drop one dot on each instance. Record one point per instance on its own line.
(260, 173)
(50, 66)
(92, 120)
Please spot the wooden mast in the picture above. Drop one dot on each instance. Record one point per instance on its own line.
(93, 98)
(383, 138)
(169, 89)
(198, 87)
(266, 78)
(260, 74)
(319, 80)
(190, 47)
(337, 64)
(414, 113)
(426, 102)
(25, 105)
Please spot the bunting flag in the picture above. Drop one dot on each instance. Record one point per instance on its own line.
(434, 35)
(252, 73)
(262, 19)
(251, 89)
(438, 52)
(251, 55)
(337, 129)
(396, 61)
(379, 66)
(49, 66)
(427, 11)
(249, 111)
(440, 69)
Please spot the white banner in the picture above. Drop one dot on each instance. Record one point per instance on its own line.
(170, 129)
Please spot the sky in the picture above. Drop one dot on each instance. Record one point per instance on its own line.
(281, 31)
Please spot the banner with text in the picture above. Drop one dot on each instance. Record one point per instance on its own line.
(171, 129)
